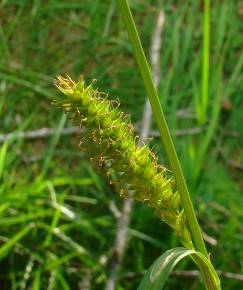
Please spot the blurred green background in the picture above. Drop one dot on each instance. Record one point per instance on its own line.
(56, 224)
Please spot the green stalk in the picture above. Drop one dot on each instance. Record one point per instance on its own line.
(205, 61)
(163, 128)
(166, 139)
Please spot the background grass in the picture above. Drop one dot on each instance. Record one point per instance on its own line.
(56, 225)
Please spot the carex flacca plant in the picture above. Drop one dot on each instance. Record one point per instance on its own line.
(110, 140)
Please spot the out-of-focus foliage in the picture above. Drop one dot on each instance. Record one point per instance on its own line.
(56, 226)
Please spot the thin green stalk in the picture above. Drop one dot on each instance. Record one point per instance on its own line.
(163, 128)
(205, 61)
(207, 138)
(166, 138)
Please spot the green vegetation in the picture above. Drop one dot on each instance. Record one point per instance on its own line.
(57, 228)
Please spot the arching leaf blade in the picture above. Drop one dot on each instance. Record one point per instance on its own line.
(158, 273)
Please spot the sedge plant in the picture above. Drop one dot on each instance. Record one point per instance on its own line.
(110, 140)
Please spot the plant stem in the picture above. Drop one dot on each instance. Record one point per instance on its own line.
(163, 128)
(205, 62)
(166, 139)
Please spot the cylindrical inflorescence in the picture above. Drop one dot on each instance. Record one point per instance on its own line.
(110, 139)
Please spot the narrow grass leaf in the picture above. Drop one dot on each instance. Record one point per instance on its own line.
(52, 146)
(36, 284)
(62, 281)
(205, 63)
(11, 242)
(60, 261)
(3, 153)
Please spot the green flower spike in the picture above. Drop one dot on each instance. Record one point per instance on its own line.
(110, 139)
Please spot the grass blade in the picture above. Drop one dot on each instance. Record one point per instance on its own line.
(205, 63)
(11, 242)
(158, 273)
(3, 153)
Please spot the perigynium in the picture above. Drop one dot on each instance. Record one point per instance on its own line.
(110, 139)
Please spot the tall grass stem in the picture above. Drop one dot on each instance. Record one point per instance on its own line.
(205, 62)
(162, 126)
